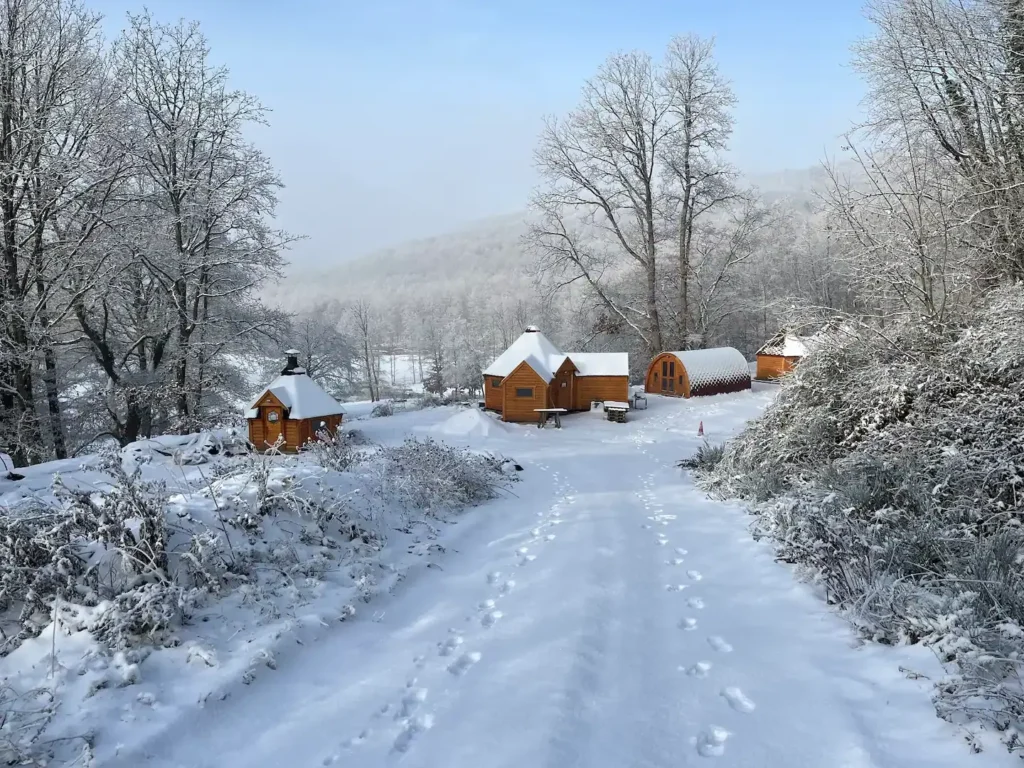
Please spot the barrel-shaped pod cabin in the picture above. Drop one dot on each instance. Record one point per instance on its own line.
(292, 408)
(533, 374)
(780, 355)
(698, 372)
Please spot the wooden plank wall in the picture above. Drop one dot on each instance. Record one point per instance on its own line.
(492, 394)
(522, 408)
(590, 388)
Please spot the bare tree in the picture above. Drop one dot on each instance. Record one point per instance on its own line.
(700, 100)
(603, 169)
(364, 318)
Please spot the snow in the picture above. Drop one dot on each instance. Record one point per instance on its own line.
(545, 370)
(470, 423)
(601, 363)
(606, 614)
(785, 345)
(302, 396)
(708, 367)
(535, 349)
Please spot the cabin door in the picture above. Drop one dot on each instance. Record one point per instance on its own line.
(563, 390)
(274, 417)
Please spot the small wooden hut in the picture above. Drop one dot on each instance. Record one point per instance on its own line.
(698, 372)
(779, 355)
(294, 407)
(533, 373)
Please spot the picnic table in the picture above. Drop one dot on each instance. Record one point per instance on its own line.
(616, 410)
(550, 413)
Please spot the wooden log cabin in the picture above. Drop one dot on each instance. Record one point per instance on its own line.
(698, 372)
(533, 373)
(292, 407)
(779, 355)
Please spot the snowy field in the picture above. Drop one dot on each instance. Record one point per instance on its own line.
(604, 613)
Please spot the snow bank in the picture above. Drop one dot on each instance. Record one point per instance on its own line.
(470, 423)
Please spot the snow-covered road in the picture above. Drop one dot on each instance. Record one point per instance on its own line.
(607, 616)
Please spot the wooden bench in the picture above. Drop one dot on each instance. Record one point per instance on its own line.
(547, 414)
(616, 410)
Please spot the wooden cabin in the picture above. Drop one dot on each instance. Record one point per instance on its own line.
(698, 372)
(293, 406)
(533, 373)
(780, 355)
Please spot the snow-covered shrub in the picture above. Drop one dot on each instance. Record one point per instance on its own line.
(333, 450)
(428, 476)
(93, 546)
(142, 615)
(386, 408)
(891, 470)
(706, 457)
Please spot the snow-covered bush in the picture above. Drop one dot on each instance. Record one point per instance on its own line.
(428, 476)
(334, 450)
(706, 457)
(92, 546)
(386, 408)
(891, 470)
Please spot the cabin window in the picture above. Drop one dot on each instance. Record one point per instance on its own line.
(272, 416)
(524, 392)
(496, 383)
(672, 368)
(564, 385)
(664, 367)
(680, 378)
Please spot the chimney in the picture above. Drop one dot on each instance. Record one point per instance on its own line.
(532, 329)
(292, 367)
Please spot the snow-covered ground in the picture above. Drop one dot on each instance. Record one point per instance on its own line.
(604, 613)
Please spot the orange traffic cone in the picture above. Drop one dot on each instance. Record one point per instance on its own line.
(700, 429)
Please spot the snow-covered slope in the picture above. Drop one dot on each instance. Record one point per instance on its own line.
(488, 257)
(607, 614)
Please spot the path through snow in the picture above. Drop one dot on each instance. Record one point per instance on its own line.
(610, 616)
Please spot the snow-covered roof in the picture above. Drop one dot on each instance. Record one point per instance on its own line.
(601, 363)
(535, 349)
(545, 368)
(712, 368)
(302, 396)
(785, 344)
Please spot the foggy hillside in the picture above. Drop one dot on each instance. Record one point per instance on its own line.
(485, 256)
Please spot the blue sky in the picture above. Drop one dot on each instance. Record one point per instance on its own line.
(395, 119)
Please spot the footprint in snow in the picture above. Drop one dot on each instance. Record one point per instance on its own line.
(711, 743)
(522, 550)
(462, 664)
(700, 669)
(695, 602)
(493, 577)
(411, 702)
(447, 648)
(680, 551)
(675, 587)
(674, 561)
(550, 537)
(486, 605)
(535, 532)
(413, 726)
(694, 575)
(490, 619)
(719, 644)
(508, 586)
(688, 624)
(526, 560)
(738, 700)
